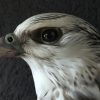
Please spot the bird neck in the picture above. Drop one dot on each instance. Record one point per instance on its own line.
(41, 81)
(48, 74)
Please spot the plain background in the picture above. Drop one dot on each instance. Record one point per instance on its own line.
(16, 82)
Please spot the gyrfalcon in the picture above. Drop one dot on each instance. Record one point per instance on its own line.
(63, 53)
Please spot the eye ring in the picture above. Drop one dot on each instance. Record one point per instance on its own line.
(9, 38)
(40, 35)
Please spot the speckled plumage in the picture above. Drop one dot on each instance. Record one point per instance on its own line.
(67, 69)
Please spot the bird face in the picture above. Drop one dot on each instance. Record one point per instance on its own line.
(47, 35)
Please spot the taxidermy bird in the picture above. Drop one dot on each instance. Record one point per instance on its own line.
(62, 52)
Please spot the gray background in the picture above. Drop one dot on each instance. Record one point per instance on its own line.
(16, 81)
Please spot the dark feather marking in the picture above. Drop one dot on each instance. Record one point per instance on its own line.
(51, 81)
(92, 67)
(97, 81)
(90, 78)
(94, 29)
(79, 96)
(90, 34)
(41, 18)
(75, 83)
(82, 76)
(45, 93)
(55, 76)
(86, 83)
(93, 73)
(54, 89)
(86, 71)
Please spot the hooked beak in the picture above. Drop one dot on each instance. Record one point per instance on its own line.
(10, 50)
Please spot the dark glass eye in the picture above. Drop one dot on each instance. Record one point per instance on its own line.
(9, 38)
(50, 35)
(46, 35)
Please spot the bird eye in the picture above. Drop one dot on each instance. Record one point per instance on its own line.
(9, 38)
(50, 35)
(46, 35)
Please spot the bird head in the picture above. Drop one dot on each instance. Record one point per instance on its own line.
(62, 46)
(50, 35)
